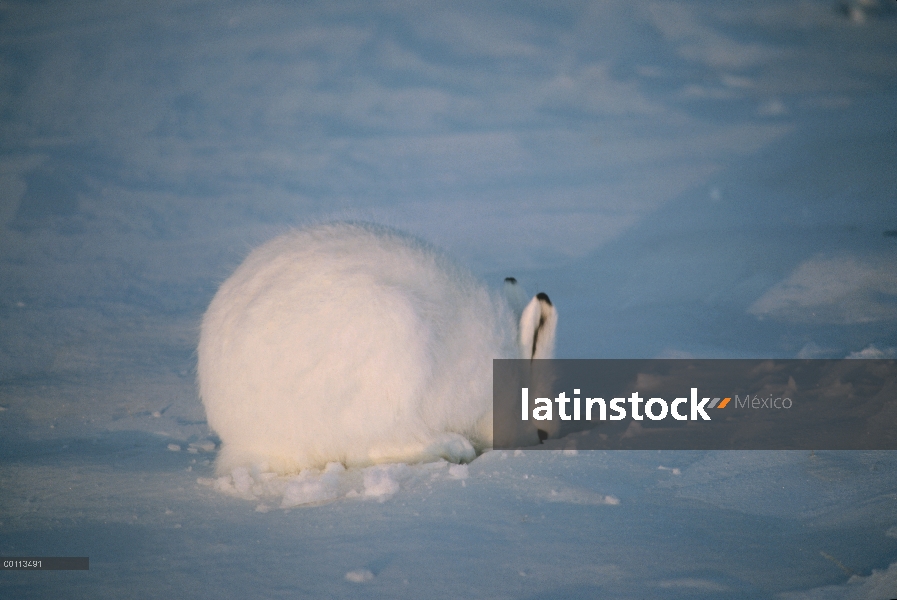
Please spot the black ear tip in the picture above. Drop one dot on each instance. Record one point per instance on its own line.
(543, 297)
(510, 280)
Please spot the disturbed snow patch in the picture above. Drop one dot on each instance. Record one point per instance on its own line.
(383, 481)
(314, 486)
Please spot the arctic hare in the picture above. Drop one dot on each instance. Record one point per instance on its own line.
(356, 343)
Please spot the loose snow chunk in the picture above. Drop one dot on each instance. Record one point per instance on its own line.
(382, 481)
(458, 471)
(174, 447)
(359, 576)
(307, 491)
(311, 487)
(204, 446)
(242, 480)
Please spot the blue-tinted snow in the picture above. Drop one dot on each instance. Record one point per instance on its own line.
(709, 179)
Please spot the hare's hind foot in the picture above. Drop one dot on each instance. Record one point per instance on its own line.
(453, 447)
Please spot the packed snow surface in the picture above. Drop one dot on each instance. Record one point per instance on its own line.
(684, 178)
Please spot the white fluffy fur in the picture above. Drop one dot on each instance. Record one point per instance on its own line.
(357, 344)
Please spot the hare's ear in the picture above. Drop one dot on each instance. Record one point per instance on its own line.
(516, 297)
(537, 326)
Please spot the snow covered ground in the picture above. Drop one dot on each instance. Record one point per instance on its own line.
(689, 178)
